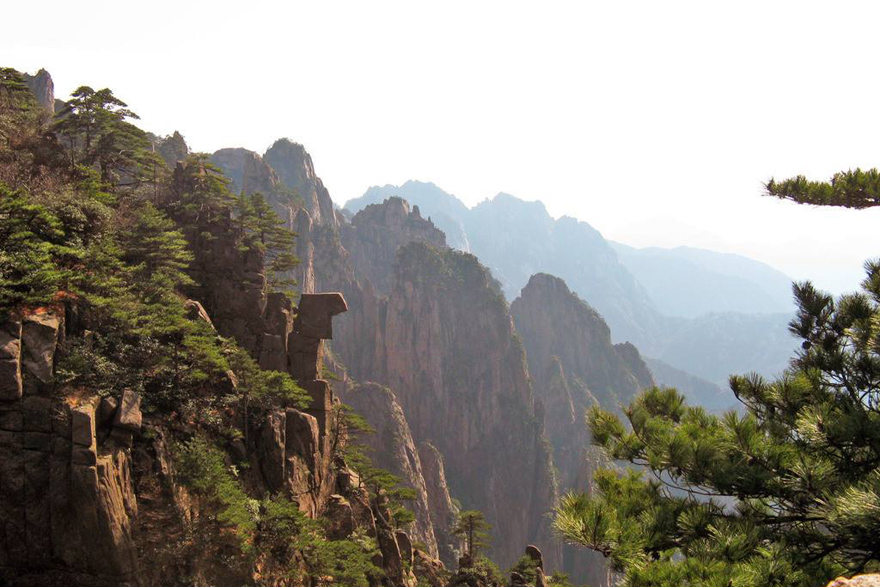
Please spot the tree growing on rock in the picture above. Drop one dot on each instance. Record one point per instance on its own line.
(265, 231)
(786, 493)
(93, 126)
(473, 527)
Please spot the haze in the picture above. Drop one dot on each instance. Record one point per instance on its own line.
(657, 123)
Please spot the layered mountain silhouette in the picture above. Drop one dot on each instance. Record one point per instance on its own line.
(705, 313)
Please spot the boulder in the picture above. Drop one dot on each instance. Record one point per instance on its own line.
(128, 414)
(340, 520)
(534, 553)
(196, 311)
(107, 411)
(10, 360)
(82, 423)
(872, 580)
(405, 545)
(316, 311)
(39, 337)
(10, 340)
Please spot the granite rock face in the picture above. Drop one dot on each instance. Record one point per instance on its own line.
(443, 510)
(392, 448)
(172, 148)
(574, 365)
(43, 89)
(441, 340)
(66, 497)
(247, 170)
(85, 499)
(296, 171)
(377, 232)
(449, 352)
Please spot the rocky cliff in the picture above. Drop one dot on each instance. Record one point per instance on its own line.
(724, 332)
(297, 172)
(450, 353)
(377, 232)
(89, 494)
(574, 365)
(43, 89)
(392, 448)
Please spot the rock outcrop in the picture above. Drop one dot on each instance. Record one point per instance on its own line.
(377, 232)
(443, 510)
(441, 340)
(66, 496)
(296, 172)
(247, 170)
(85, 499)
(172, 148)
(43, 89)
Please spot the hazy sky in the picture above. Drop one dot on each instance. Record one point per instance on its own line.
(656, 122)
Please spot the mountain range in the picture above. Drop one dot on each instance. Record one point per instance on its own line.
(706, 313)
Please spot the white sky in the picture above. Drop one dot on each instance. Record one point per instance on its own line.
(656, 122)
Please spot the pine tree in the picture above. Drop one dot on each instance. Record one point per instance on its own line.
(94, 127)
(472, 526)
(265, 232)
(19, 111)
(848, 189)
(786, 493)
(31, 243)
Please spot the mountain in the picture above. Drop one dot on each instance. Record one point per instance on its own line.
(446, 211)
(697, 390)
(574, 366)
(430, 325)
(517, 239)
(689, 282)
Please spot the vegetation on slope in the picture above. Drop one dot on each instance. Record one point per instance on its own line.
(93, 219)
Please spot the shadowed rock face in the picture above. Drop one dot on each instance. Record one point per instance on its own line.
(443, 342)
(448, 350)
(554, 322)
(443, 510)
(392, 448)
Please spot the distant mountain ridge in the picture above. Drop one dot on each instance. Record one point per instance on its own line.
(709, 314)
(716, 282)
